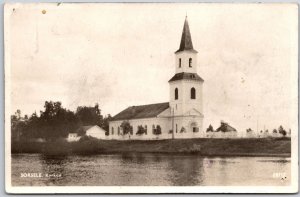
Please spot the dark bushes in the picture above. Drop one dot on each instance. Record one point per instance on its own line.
(87, 145)
(204, 147)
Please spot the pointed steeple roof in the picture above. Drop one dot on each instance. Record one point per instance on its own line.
(186, 39)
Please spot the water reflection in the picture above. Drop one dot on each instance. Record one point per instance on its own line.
(53, 167)
(149, 169)
(185, 170)
(52, 164)
(166, 169)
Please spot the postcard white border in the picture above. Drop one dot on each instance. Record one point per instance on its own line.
(293, 188)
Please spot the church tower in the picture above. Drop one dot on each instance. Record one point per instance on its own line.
(186, 86)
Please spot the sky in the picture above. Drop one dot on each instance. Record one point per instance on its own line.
(119, 55)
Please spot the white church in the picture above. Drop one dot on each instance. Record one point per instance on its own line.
(181, 117)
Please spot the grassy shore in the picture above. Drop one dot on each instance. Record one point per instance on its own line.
(205, 147)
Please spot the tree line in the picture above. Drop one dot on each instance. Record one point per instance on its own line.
(55, 122)
(280, 130)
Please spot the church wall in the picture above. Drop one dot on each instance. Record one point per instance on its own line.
(96, 132)
(185, 121)
(189, 103)
(184, 102)
(163, 122)
(166, 126)
(178, 110)
(185, 55)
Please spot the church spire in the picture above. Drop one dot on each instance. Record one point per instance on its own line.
(186, 39)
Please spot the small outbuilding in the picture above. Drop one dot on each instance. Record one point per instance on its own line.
(94, 131)
(224, 131)
(225, 127)
(91, 130)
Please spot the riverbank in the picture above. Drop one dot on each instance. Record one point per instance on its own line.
(205, 147)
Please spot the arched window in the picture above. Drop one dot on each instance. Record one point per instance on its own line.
(176, 93)
(112, 130)
(179, 62)
(190, 62)
(193, 93)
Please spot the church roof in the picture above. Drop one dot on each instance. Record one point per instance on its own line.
(189, 76)
(225, 127)
(186, 39)
(141, 111)
(84, 128)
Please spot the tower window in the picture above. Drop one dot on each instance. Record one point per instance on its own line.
(193, 93)
(190, 62)
(112, 130)
(179, 62)
(176, 94)
(176, 128)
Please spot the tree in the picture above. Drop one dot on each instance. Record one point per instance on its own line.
(182, 130)
(18, 114)
(157, 131)
(282, 131)
(32, 129)
(249, 130)
(274, 130)
(210, 128)
(17, 126)
(56, 121)
(126, 127)
(141, 130)
(105, 124)
(81, 132)
(89, 115)
(222, 128)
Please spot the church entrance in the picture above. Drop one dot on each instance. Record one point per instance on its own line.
(194, 127)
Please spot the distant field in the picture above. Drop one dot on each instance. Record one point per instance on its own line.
(205, 147)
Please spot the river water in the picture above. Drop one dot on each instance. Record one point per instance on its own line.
(148, 170)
